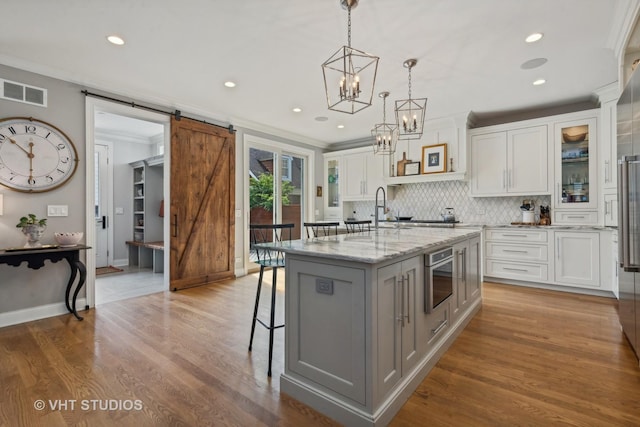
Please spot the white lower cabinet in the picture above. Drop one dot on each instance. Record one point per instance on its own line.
(577, 261)
(400, 296)
(571, 258)
(520, 254)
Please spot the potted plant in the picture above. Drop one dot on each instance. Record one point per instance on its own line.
(32, 228)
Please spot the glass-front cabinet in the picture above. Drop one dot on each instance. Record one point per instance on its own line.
(332, 197)
(575, 171)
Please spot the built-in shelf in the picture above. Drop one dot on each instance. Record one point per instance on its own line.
(432, 177)
(147, 195)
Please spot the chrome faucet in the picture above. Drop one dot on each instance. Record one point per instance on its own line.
(383, 206)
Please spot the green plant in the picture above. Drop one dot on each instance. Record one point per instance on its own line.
(261, 192)
(31, 219)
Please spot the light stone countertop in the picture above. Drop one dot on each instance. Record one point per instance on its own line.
(372, 247)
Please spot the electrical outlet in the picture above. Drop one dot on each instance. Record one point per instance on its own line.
(480, 211)
(324, 286)
(119, 211)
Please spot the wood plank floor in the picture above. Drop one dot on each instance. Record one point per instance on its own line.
(528, 358)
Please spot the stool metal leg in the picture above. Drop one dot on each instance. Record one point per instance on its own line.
(273, 315)
(255, 310)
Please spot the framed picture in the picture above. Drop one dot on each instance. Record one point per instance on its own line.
(412, 168)
(434, 158)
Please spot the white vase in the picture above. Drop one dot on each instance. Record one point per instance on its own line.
(33, 233)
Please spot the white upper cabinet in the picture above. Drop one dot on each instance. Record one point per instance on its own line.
(575, 161)
(363, 174)
(509, 162)
(333, 170)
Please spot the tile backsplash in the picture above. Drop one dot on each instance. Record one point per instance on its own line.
(428, 200)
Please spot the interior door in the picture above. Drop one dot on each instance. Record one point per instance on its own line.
(202, 204)
(102, 205)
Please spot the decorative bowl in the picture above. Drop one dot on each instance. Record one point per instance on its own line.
(68, 239)
(578, 137)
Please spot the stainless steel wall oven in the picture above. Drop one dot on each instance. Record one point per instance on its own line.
(438, 277)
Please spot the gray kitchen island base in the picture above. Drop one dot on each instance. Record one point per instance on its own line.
(359, 337)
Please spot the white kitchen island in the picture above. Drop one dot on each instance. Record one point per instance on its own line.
(358, 340)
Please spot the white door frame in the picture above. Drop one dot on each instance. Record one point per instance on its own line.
(252, 141)
(93, 105)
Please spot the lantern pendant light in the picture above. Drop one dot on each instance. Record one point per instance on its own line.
(410, 113)
(385, 135)
(349, 74)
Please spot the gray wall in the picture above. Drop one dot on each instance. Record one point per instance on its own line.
(21, 287)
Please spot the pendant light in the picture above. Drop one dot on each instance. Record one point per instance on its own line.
(385, 135)
(349, 74)
(410, 113)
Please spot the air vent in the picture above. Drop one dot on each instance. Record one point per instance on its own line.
(20, 92)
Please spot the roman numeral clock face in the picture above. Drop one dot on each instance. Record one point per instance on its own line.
(35, 156)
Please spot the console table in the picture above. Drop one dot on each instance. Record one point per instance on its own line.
(35, 259)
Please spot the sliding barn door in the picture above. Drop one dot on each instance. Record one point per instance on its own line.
(202, 204)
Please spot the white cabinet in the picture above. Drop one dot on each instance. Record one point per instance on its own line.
(577, 258)
(519, 253)
(400, 299)
(607, 153)
(363, 174)
(512, 162)
(332, 195)
(467, 263)
(611, 210)
(576, 184)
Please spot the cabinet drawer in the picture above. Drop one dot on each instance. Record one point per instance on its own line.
(517, 252)
(575, 217)
(509, 270)
(437, 322)
(516, 235)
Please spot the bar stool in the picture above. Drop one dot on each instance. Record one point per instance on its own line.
(313, 228)
(268, 257)
(357, 226)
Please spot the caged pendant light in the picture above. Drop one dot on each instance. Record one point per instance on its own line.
(349, 74)
(410, 113)
(385, 135)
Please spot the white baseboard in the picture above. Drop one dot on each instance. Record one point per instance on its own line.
(120, 262)
(36, 313)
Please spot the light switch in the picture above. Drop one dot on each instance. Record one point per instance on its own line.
(119, 211)
(57, 210)
(238, 213)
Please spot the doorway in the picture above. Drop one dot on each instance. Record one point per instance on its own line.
(118, 137)
(277, 186)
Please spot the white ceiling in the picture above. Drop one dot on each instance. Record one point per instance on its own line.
(178, 54)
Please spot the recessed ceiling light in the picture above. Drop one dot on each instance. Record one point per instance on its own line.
(340, 126)
(297, 110)
(230, 84)
(115, 40)
(539, 82)
(533, 37)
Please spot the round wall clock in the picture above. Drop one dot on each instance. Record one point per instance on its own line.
(35, 156)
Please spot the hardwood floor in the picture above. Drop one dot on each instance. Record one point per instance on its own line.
(529, 357)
